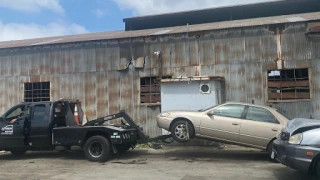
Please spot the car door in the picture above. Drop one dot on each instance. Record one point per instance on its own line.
(11, 128)
(39, 134)
(223, 122)
(259, 127)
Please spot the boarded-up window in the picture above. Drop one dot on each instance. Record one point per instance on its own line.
(149, 90)
(36, 92)
(289, 84)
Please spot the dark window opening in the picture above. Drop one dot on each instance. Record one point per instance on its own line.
(290, 84)
(36, 92)
(150, 90)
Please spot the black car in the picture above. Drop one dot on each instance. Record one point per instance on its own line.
(298, 146)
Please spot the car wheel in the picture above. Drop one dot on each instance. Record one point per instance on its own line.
(18, 152)
(97, 149)
(179, 131)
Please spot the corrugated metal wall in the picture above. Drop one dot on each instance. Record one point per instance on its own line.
(91, 71)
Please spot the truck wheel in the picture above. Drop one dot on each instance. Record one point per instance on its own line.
(97, 149)
(18, 152)
(179, 131)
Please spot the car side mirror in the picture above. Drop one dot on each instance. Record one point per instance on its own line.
(211, 113)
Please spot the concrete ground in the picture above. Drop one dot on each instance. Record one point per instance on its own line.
(169, 163)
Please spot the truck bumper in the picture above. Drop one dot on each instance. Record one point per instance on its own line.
(293, 156)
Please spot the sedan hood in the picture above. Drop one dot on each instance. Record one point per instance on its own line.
(298, 123)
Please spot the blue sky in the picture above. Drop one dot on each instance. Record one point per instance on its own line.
(25, 19)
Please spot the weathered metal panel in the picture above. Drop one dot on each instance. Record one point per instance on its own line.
(35, 63)
(90, 95)
(207, 56)
(315, 87)
(295, 45)
(90, 58)
(55, 62)
(15, 65)
(66, 86)
(114, 91)
(79, 60)
(179, 52)
(151, 46)
(55, 87)
(165, 48)
(126, 92)
(101, 58)
(3, 97)
(44, 62)
(241, 44)
(255, 78)
(252, 47)
(221, 48)
(238, 88)
(102, 94)
(66, 63)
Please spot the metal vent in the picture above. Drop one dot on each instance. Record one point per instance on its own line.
(205, 88)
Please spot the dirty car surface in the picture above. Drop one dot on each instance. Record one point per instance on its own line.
(231, 122)
(298, 145)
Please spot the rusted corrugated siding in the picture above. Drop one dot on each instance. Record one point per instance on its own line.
(90, 71)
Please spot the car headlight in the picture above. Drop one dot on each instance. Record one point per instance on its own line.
(295, 139)
(165, 115)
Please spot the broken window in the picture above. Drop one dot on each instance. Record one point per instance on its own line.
(36, 92)
(289, 84)
(150, 90)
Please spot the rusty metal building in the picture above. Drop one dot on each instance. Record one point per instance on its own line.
(266, 60)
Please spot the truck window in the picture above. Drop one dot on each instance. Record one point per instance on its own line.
(39, 114)
(15, 113)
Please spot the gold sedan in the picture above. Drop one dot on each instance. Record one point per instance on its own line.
(232, 122)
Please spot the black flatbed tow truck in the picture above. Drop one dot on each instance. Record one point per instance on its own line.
(43, 126)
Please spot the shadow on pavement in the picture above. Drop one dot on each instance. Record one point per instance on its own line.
(286, 173)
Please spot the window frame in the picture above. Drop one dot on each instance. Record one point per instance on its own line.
(29, 93)
(246, 114)
(288, 100)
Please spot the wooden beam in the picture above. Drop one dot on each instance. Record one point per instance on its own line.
(150, 99)
(150, 89)
(288, 83)
(291, 95)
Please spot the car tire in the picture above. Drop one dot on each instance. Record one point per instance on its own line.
(178, 131)
(18, 152)
(97, 149)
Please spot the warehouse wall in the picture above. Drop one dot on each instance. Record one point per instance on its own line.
(96, 73)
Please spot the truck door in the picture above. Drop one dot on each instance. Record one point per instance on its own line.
(11, 128)
(39, 134)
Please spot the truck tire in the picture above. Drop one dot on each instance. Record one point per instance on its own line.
(18, 152)
(179, 133)
(97, 149)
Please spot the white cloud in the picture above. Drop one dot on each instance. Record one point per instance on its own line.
(15, 31)
(99, 12)
(147, 7)
(33, 5)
